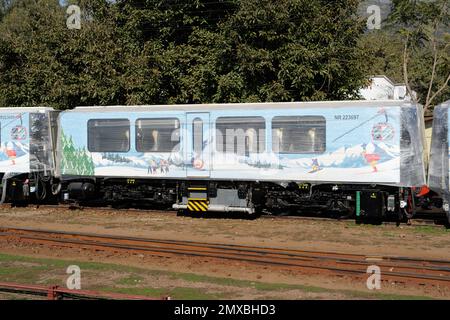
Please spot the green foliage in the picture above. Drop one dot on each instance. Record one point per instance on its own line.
(424, 27)
(384, 51)
(44, 63)
(180, 51)
(286, 51)
(73, 160)
(5, 6)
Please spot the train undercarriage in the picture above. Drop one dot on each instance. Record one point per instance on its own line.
(248, 198)
(371, 203)
(29, 188)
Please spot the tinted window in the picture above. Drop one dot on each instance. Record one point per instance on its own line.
(158, 135)
(240, 135)
(295, 134)
(109, 135)
(197, 135)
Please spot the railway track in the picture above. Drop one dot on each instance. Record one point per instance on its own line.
(393, 268)
(58, 293)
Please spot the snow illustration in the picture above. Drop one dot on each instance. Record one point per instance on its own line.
(14, 146)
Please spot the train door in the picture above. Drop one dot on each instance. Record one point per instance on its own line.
(198, 150)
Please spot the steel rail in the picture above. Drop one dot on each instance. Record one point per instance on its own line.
(58, 293)
(266, 250)
(323, 261)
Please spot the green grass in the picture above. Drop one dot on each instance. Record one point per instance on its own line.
(389, 234)
(152, 292)
(432, 230)
(353, 224)
(133, 279)
(54, 263)
(262, 286)
(130, 281)
(27, 274)
(179, 293)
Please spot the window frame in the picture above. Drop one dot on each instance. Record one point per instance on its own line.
(108, 119)
(157, 151)
(297, 117)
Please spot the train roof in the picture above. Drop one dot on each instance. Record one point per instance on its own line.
(445, 104)
(248, 106)
(27, 109)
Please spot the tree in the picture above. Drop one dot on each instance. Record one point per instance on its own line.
(383, 50)
(291, 50)
(5, 6)
(424, 28)
(180, 51)
(42, 62)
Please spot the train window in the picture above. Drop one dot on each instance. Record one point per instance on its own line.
(299, 134)
(158, 135)
(197, 135)
(109, 135)
(241, 135)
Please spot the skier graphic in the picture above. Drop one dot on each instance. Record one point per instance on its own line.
(164, 166)
(315, 166)
(371, 158)
(11, 153)
(152, 167)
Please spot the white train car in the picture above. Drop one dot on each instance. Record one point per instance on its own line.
(27, 159)
(438, 171)
(359, 157)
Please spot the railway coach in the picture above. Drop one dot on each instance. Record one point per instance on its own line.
(354, 157)
(438, 171)
(27, 159)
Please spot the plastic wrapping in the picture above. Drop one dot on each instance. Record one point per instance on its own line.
(26, 140)
(412, 142)
(438, 172)
(42, 135)
(366, 142)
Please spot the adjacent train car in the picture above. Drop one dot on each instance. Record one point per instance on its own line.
(438, 170)
(27, 159)
(355, 157)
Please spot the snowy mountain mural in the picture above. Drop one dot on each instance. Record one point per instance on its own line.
(361, 144)
(142, 160)
(348, 157)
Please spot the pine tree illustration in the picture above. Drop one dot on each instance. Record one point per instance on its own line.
(73, 160)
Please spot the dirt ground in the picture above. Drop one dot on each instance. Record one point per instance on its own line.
(412, 241)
